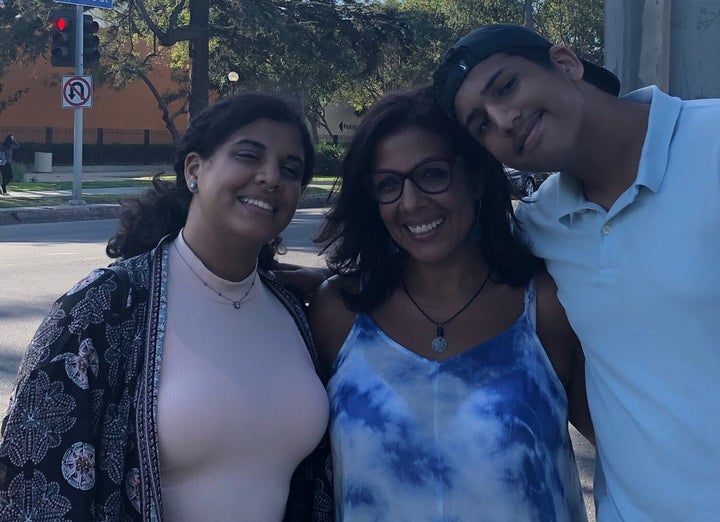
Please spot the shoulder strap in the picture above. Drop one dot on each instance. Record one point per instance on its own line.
(531, 302)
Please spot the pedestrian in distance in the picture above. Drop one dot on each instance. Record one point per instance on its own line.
(6, 153)
(452, 366)
(181, 383)
(630, 231)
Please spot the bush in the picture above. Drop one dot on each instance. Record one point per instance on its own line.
(328, 159)
(19, 170)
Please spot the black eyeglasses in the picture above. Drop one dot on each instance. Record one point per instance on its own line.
(431, 177)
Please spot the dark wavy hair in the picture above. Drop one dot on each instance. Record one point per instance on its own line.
(353, 235)
(163, 209)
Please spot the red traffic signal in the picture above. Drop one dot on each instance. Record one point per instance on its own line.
(62, 39)
(60, 23)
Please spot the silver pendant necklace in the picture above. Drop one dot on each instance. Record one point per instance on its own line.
(236, 303)
(439, 344)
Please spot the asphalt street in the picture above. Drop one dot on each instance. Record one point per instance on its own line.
(24, 222)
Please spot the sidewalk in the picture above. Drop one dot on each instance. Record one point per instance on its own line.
(81, 212)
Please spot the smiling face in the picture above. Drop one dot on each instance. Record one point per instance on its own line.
(430, 227)
(248, 188)
(525, 114)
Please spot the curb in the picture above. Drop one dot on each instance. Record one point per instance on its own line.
(28, 215)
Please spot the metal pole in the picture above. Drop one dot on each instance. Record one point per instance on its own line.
(78, 125)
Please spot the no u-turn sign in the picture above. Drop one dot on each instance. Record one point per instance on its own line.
(77, 92)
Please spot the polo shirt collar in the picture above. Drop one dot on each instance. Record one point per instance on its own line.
(664, 113)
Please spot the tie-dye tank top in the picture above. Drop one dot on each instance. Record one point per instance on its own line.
(482, 436)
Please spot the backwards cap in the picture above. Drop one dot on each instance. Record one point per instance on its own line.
(487, 40)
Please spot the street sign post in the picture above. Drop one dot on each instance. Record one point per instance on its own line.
(102, 4)
(77, 90)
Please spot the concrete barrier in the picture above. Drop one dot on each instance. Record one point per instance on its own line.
(43, 162)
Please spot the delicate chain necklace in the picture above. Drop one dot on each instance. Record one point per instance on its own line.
(439, 344)
(236, 303)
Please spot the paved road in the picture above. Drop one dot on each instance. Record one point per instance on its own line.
(41, 261)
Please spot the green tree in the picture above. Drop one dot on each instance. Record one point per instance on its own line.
(316, 51)
(408, 53)
(23, 35)
(301, 50)
(132, 52)
(579, 24)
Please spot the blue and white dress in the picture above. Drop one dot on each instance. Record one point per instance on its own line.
(481, 436)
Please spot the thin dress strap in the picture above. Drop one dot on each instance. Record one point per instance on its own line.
(531, 303)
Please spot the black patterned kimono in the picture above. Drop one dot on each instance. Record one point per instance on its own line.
(79, 439)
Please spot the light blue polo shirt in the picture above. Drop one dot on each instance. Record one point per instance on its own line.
(641, 287)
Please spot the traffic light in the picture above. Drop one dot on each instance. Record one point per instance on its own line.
(62, 38)
(91, 43)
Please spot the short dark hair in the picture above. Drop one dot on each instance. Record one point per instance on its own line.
(163, 209)
(354, 237)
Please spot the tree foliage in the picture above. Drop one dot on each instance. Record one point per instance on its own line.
(23, 33)
(315, 51)
(578, 24)
(137, 40)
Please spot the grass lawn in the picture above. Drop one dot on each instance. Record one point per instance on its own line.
(25, 186)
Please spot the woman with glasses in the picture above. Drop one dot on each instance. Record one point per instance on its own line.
(452, 368)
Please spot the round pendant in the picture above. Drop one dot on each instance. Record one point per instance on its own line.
(439, 344)
(237, 305)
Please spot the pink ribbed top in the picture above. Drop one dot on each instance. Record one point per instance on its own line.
(239, 402)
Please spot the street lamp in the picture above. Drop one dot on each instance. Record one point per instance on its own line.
(233, 77)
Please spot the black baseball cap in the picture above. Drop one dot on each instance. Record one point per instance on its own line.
(487, 40)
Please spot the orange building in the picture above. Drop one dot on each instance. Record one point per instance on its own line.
(133, 108)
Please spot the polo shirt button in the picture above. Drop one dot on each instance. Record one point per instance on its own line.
(606, 229)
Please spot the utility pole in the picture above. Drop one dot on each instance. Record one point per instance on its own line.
(78, 114)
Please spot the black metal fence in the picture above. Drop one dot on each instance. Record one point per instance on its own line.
(100, 146)
(104, 146)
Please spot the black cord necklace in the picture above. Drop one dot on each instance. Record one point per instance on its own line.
(439, 344)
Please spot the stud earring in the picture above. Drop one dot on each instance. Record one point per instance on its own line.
(192, 186)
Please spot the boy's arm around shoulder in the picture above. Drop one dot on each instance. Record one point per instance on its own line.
(330, 320)
(564, 351)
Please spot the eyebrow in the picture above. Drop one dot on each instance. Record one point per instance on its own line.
(422, 162)
(261, 146)
(489, 85)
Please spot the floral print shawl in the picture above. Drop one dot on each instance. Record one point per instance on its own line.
(79, 439)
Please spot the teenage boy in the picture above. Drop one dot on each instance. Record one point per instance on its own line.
(630, 230)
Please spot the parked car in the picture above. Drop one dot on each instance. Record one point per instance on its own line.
(524, 183)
